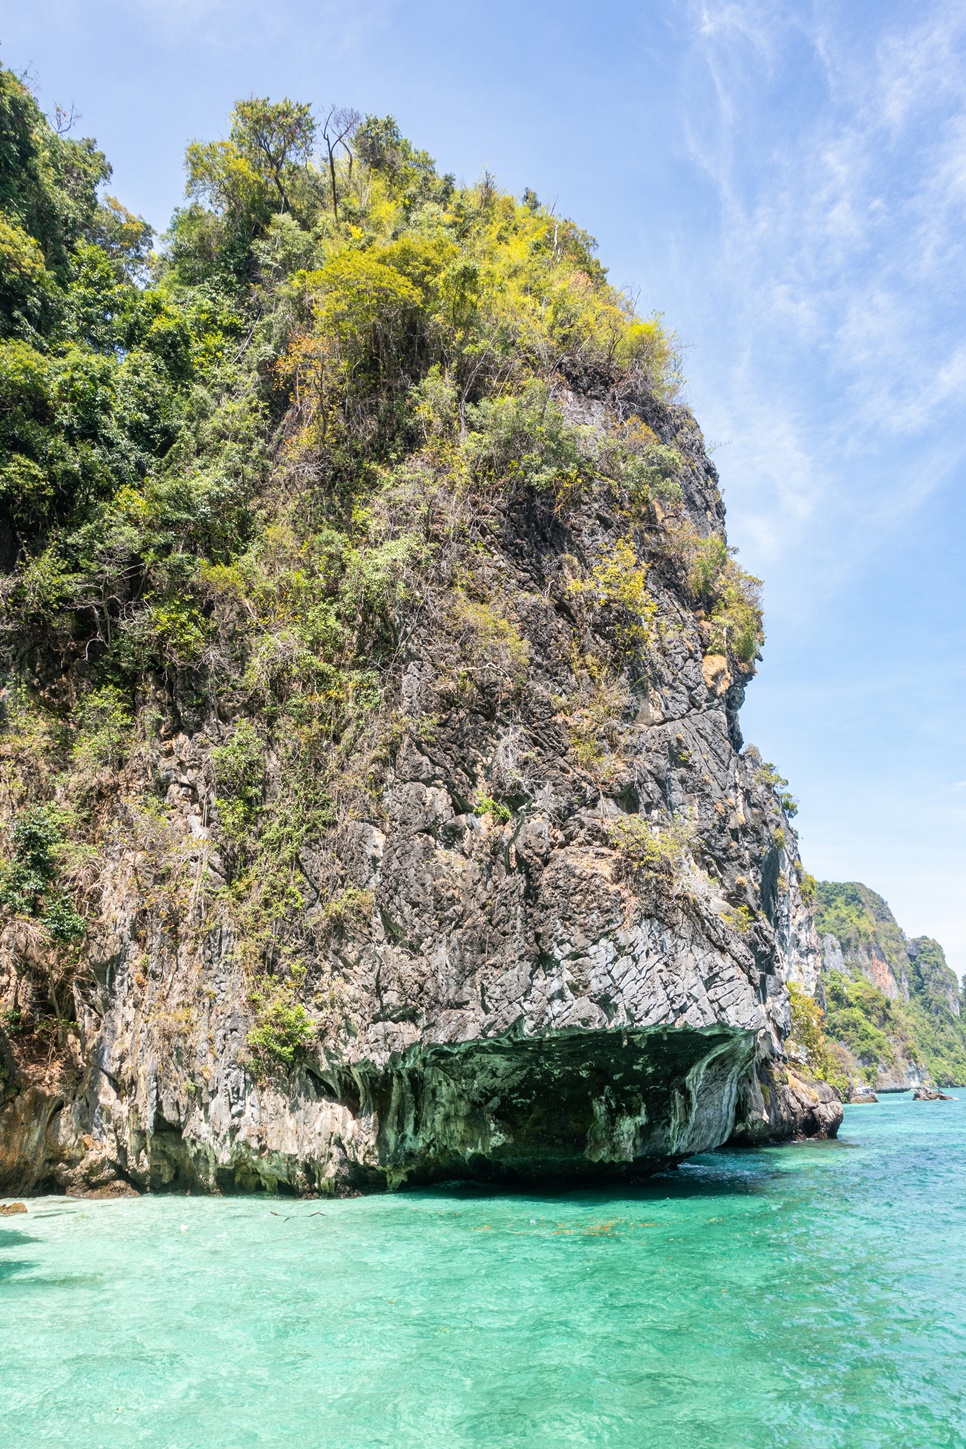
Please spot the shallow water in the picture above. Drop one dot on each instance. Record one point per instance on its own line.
(811, 1296)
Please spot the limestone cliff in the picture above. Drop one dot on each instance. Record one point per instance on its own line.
(893, 1004)
(552, 944)
(376, 799)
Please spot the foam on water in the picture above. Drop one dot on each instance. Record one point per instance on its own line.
(810, 1296)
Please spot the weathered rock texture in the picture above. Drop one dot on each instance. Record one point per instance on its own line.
(915, 1033)
(503, 981)
(860, 923)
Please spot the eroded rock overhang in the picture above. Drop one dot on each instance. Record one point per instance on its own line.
(565, 1106)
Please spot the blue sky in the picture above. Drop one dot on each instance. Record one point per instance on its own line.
(786, 182)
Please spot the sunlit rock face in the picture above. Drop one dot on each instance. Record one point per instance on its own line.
(550, 945)
(893, 1003)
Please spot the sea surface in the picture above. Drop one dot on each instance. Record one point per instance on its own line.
(811, 1296)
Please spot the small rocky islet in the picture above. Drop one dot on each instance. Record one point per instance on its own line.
(376, 808)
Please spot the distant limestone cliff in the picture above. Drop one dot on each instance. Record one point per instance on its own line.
(375, 803)
(892, 1005)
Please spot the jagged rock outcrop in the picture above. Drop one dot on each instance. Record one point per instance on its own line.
(932, 982)
(527, 985)
(375, 808)
(788, 1104)
(857, 923)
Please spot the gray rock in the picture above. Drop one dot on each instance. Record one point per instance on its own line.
(498, 990)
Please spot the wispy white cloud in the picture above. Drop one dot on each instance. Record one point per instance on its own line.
(838, 252)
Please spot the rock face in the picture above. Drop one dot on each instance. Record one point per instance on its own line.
(552, 947)
(860, 934)
(788, 1107)
(906, 1030)
(931, 980)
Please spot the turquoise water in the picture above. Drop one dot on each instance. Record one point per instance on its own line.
(810, 1296)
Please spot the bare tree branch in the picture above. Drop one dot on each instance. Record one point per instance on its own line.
(337, 130)
(66, 120)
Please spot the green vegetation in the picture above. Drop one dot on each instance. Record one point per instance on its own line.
(662, 848)
(28, 884)
(940, 1042)
(808, 1035)
(862, 922)
(282, 1030)
(486, 805)
(864, 1019)
(768, 775)
(740, 918)
(880, 1032)
(595, 717)
(620, 582)
(729, 597)
(350, 909)
(932, 984)
(239, 768)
